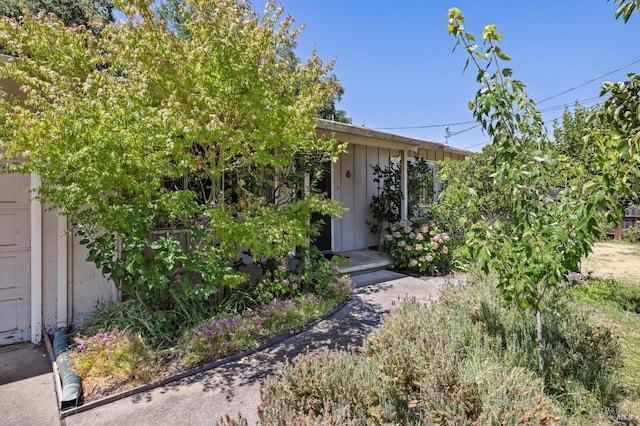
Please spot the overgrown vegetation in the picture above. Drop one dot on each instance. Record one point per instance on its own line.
(632, 234)
(466, 359)
(171, 153)
(126, 343)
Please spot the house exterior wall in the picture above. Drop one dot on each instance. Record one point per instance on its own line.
(88, 288)
(82, 284)
(356, 189)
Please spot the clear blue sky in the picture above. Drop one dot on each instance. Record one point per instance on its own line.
(396, 63)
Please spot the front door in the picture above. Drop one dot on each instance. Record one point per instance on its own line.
(323, 241)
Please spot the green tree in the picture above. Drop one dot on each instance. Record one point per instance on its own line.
(70, 12)
(556, 213)
(571, 132)
(113, 123)
(626, 8)
(175, 13)
(572, 135)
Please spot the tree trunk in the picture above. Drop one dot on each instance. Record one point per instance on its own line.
(540, 343)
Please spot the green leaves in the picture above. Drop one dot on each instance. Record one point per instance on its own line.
(626, 8)
(132, 127)
(557, 209)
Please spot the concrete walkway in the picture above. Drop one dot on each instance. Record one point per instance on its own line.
(235, 387)
(27, 389)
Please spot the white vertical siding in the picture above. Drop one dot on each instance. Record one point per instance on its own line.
(348, 193)
(361, 200)
(371, 190)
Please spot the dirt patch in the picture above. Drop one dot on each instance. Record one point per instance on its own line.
(617, 260)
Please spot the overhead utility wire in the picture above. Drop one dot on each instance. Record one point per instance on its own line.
(428, 126)
(489, 140)
(589, 82)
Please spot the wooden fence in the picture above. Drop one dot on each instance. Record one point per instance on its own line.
(631, 217)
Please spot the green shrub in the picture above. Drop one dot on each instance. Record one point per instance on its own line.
(582, 358)
(159, 328)
(314, 274)
(632, 234)
(329, 388)
(418, 246)
(465, 359)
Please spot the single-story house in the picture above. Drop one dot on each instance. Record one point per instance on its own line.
(351, 180)
(46, 283)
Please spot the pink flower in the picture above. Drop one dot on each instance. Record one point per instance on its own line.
(419, 236)
(445, 249)
(419, 247)
(412, 235)
(429, 258)
(401, 243)
(434, 245)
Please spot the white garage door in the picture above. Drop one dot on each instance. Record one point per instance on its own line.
(15, 240)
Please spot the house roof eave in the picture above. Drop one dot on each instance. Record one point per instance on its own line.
(327, 128)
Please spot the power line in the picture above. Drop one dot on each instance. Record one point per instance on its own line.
(582, 102)
(428, 126)
(589, 82)
(489, 140)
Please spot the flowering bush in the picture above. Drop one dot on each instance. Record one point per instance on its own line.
(114, 353)
(316, 274)
(281, 282)
(223, 335)
(419, 247)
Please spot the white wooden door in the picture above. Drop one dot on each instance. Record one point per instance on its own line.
(15, 258)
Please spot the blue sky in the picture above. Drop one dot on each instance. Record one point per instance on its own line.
(396, 63)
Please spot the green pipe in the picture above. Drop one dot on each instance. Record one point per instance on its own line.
(71, 383)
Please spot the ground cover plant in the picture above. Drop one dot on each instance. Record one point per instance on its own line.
(465, 359)
(123, 346)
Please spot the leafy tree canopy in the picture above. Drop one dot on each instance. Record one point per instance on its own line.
(626, 8)
(70, 12)
(108, 119)
(175, 14)
(557, 205)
